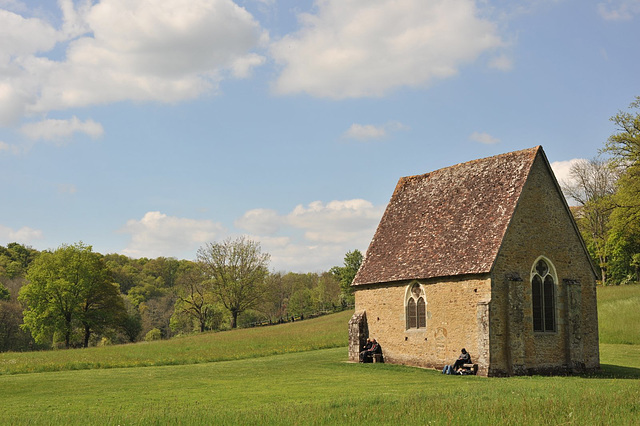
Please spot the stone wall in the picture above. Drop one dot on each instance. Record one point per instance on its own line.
(541, 226)
(358, 335)
(457, 316)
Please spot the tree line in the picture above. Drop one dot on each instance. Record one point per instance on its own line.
(607, 191)
(74, 297)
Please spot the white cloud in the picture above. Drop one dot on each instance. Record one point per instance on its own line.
(352, 48)
(23, 36)
(619, 10)
(364, 132)
(336, 221)
(484, 138)
(23, 235)
(502, 63)
(61, 130)
(157, 234)
(13, 149)
(148, 50)
(314, 237)
(260, 221)
(562, 169)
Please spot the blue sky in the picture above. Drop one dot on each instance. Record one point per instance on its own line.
(151, 127)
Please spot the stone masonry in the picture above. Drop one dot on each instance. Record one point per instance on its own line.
(489, 310)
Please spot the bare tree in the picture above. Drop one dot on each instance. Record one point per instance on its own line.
(236, 270)
(592, 184)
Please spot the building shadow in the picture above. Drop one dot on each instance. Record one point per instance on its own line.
(610, 371)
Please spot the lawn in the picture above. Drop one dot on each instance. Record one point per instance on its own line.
(297, 374)
(316, 387)
(619, 314)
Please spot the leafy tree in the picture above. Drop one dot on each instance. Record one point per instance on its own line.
(345, 274)
(236, 272)
(132, 323)
(15, 259)
(624, 146)
(592, 184)
(193, 298)
(69, 289)
(153, 334)
(4, 293)
(327, 292)
(301, 302)
(12, 336)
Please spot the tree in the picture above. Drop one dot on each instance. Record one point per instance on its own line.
(193, 299)
(236, 272)
(592, 184)
(132, 324)
(624, 146)
(4, 293)
(69, 291)
(345, 274)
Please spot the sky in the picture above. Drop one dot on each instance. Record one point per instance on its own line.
(152, 127)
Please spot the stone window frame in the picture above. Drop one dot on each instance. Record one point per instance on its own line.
(415, 302)
(545, 310)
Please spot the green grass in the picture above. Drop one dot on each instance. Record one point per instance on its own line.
(619, 314)
(315, 387)
(329, 331)
(297, 374)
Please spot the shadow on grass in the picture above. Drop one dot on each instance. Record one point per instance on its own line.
(609, 371)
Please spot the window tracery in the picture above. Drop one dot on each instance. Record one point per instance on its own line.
(543, 289)
(416, 307)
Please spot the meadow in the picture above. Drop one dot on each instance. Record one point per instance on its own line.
(296, 374)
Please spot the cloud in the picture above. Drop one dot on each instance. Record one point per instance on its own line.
(67, 189)
(61, 130)
(369, 131)
(13, 149)
(562, 169)
(115, 50)
(23, 235)
(260, 221)
(21, 36)
(619, 10)
(502, 63)
(351, 48)
(313, 237)
(336, 221)
(484, 138)
(157, 234)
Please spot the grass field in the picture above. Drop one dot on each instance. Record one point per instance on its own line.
(619, 314)
(282, 375)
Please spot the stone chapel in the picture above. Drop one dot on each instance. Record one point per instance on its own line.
(483, 255)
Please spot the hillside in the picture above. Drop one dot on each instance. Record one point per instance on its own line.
(324, 332)
(282, 375)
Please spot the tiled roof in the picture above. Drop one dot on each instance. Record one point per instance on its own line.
(448, 222)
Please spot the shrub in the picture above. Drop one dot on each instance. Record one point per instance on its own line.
(153, 334)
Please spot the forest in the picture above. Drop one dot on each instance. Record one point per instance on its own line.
(73, 297)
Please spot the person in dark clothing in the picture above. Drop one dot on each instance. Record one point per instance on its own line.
(464, 358)
(372, 347)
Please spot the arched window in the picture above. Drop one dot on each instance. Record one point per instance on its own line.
(543, 295)
(416, 307)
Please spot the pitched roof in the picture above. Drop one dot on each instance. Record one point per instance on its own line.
(447, 222)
